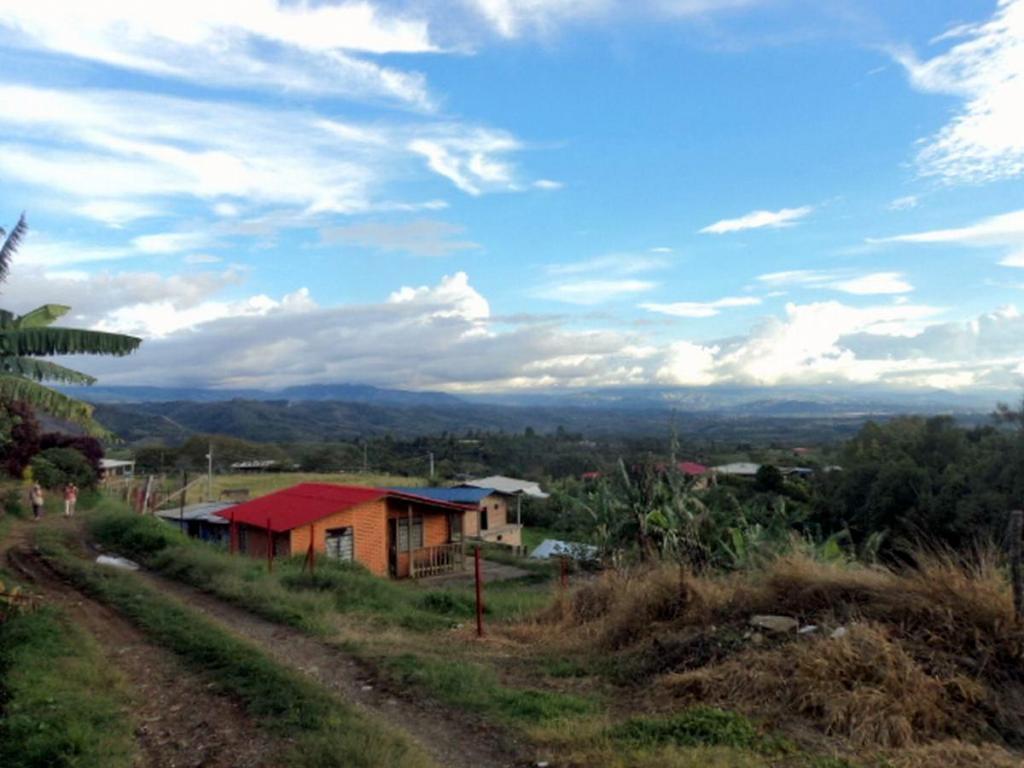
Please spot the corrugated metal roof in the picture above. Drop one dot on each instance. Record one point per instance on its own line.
(692, 468)
(451, 495)
(308, 502)
(509, 485)
(206, 511)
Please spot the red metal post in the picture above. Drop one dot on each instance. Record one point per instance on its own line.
(233, 535)
(270, 548)
(479, 594)
(311, 555)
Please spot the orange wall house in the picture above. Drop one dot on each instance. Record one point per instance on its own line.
(366, 525)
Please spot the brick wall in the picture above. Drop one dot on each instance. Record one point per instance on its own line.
(369, 526)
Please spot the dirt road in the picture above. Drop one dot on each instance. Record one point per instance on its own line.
(180, 723)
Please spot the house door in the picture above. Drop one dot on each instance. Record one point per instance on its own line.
(340, 544)
(483, 519)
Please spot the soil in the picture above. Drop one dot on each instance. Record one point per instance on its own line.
(180, 722)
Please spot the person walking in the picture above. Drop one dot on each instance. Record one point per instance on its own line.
(36, 499)
(70, 497)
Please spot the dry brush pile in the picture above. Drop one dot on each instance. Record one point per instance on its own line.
(928, 661)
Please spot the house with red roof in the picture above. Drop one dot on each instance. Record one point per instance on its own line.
(392, 533)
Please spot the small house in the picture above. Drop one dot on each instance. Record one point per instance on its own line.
(392, 533)
(486, 515)
(114, 469)
(200, 521)
(737, 469)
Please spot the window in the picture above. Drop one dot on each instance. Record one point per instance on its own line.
(403, 534)
(340, 544)
(456, 528)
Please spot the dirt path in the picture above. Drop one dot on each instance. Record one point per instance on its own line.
(180, 722)
(452, 739)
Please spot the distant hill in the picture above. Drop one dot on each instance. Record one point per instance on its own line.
(352, 393)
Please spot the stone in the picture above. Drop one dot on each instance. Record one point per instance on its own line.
(838, 633)
(810, 629)
(774, 623)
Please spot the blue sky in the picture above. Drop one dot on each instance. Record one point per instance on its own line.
(485, 195)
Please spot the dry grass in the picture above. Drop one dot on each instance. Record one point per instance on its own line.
(930, 655)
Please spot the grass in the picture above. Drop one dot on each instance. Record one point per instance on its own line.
(692, 727)
(62, 705)
(323, 730)
(476, 689)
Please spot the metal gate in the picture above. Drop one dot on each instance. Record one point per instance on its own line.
(340, 544)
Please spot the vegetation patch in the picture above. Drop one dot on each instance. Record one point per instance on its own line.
(61, 704)
(697, 726)
(476, 689)
(324, 730)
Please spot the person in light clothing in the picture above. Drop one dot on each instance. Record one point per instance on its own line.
(70, 497)
(35, 498)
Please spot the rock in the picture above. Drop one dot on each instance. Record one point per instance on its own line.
(774, 623)
(838, 633)
(810, 629)
(757, 638)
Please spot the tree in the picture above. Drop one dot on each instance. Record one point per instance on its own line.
(21, 442)
(26, 338)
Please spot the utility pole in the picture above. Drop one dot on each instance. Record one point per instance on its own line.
(364, 457)
(209, 474)
(431, 465)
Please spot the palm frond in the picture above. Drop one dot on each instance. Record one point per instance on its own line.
(42, 342)
(10, 246)
(40, 317)
(50, 401)
(43, 370)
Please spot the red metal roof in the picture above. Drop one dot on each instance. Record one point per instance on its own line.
(692, 468)
(308, 502)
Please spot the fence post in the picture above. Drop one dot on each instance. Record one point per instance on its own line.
(479, 593)
(311, 552)
(270, 548)
(232, 535)
(1016, 571)
(564, 561)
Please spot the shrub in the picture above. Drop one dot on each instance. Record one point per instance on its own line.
(12, 503)
(56, 467)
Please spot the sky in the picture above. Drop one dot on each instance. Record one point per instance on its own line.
(524, 195)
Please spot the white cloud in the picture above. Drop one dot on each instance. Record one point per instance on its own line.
(874, 284)
(786, 217)
(116, 213)
(594, 291)
(1013, 260)
(200, 330)
(150, 150)
(983, 142)
(422, 237)
(470, 159)
(516, 18)
(170, 242)
(610, 264)
(247, 43)
(1004, 231)
(904, 203)
(699, 309)
(661, 249)
(600, 279)
(548, 184)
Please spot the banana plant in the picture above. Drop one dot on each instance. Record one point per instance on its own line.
(24, 339)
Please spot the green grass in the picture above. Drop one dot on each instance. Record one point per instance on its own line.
(474, 688)
(698, 726)
(323, 730)
(62, 706)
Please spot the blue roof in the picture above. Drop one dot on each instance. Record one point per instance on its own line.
(451, 495)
